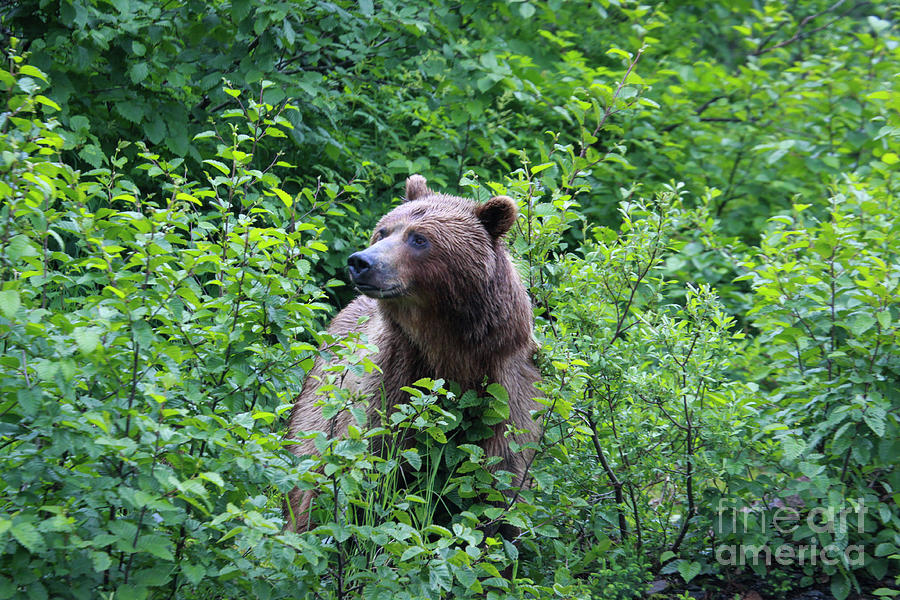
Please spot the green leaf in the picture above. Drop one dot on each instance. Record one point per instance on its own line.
(131, 110)
(155, 128)
(193, 573)
(47, 102)
(93, 155)
(154, 577)
(538, 168)
(792, 447)
(130, 591)
(87, 338)
(101, 560)
(437, 434)
(138, 72)
(26, 534)
(413, 457)
(157, 545)
(213, 478)
(9, 303)
(885, 549)
(32, 71)
(283, 196)
(499, 392)
(875, 417)
(411, 552)
(861, 323)
(840, 586)
(219, 165)
(21, 246)
(688, 569)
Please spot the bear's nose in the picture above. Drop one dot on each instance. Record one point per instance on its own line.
(358, 265)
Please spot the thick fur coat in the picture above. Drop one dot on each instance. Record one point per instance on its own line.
(441, 299)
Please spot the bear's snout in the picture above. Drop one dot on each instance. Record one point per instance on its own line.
(358, 264)
(374, 274)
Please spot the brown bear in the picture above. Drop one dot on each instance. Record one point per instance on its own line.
(440, 299)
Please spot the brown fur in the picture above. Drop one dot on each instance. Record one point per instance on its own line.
(456, 311)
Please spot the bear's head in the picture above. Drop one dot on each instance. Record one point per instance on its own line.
(434, 249)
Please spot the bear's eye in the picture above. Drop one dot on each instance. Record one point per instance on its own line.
(418, 241)
(381, 234)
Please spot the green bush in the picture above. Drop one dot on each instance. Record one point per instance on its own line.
(149, 349)
(827, 291)
(152, 345)
(162, 301)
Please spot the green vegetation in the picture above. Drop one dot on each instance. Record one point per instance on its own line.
(708, 232)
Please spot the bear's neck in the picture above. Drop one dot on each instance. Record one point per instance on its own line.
(467, 338)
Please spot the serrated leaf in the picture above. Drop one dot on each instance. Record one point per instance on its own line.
(861, 323)
(885, 549)
(138, 72)
(87, 338)
(26, 534)
(213, 478)
(47, 102)
(875, 418)
(511, 551)
(188, 197)
(414, 459)
(792, 447)
(9, 303)
(20, 247)
(619, 52)
(100, 560)
(133, 111)
(157, 545)
(499, 392)
(194, 573)
(155, 128)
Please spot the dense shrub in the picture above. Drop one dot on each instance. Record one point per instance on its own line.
(162, 300)
(826, 361)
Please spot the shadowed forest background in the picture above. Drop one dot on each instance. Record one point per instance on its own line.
(708, 231)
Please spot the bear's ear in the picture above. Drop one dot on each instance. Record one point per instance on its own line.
(416, 187)
(497, 215)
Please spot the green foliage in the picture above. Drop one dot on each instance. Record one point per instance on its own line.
(827, 291)
(642, 404)
(718, 344)
(152, 344)
(761, 103)
(149, 347)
